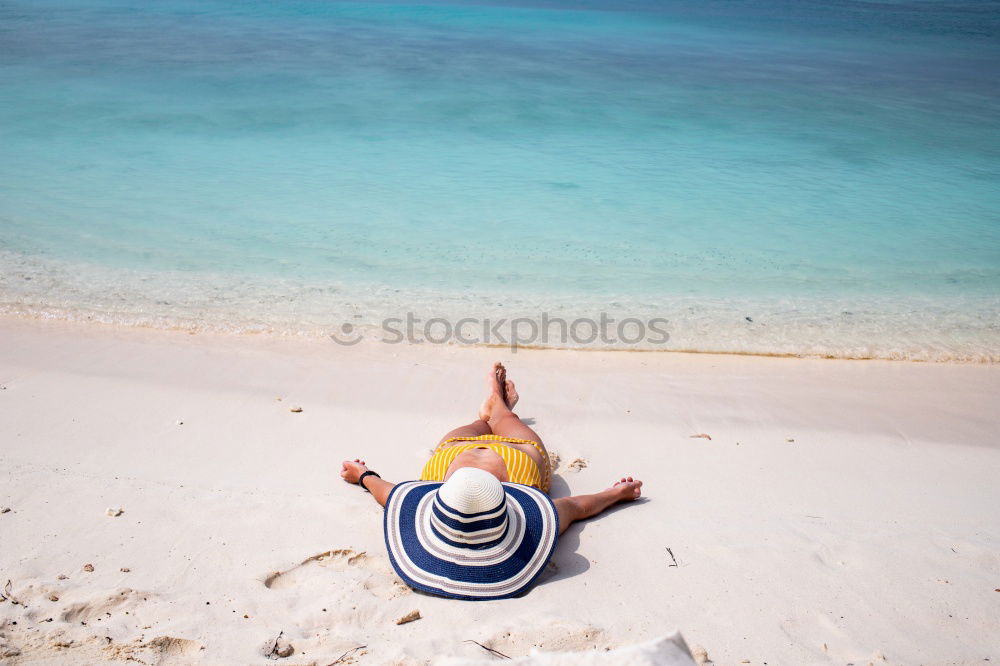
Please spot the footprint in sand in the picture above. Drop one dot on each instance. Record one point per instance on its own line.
(558, 636)
(578, 464)
(374, 574)
(101, 608)
(162, 651)
(170, 645)
(337, 560)
(554, 460)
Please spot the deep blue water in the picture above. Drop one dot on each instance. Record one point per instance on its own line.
(829, 169)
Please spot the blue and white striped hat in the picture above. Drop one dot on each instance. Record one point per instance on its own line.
(471, 537)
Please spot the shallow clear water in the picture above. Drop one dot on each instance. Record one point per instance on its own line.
(828, 170)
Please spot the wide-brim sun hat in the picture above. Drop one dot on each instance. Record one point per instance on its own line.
(471, 537)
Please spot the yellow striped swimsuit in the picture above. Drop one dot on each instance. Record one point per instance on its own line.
(521, 468)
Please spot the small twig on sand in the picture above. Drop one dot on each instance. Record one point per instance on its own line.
(8, 594)
(344, 656)
(671, 553)
(273, 652)
(497, 653)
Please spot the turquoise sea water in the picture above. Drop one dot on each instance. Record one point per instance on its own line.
(772, 177)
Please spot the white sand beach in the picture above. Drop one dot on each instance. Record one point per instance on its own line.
(843, 512)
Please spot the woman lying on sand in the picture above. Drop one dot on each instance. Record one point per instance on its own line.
(480, 523)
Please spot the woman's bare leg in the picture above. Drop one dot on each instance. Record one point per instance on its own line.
(504, 422)
(498, 413)
(474, 429)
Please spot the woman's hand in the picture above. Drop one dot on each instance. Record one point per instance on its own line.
(352, 471)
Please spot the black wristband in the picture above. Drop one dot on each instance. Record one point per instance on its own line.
(361, 479)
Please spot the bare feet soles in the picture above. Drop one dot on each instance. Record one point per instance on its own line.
(627, 489)
(501, 391)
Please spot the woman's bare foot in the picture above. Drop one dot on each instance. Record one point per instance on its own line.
(509, 393)
(496, 397)
(627, 489)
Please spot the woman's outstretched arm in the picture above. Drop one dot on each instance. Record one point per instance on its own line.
(351, 471)
(580, 507)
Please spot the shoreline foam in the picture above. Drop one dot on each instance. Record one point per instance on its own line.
(865, 327)
(196, 328)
